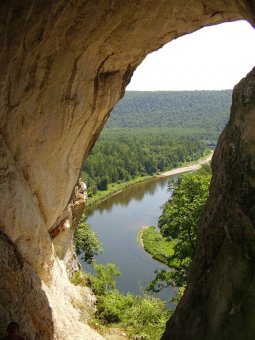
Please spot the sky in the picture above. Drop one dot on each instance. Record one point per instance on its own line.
(213, 58)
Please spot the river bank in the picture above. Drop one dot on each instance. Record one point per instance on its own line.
(178, 219)
(187, 168)
(116, 188)
(140, 235)
(156, 245)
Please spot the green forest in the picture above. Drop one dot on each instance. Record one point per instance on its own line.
(124, 155)
(207, 110)
(151, 132)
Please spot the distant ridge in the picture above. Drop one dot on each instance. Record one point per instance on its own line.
(172, 109)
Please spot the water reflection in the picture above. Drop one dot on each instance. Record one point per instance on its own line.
(135, 192)
(118, 220)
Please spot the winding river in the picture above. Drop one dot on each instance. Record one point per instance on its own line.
(118, 220)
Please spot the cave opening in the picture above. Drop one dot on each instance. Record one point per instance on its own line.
(63, 67)
(149, 76)
(212, 58)
(110, 205)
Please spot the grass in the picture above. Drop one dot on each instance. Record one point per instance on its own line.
(140, 317)
(160, 248)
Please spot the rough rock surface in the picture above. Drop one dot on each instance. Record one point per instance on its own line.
(63, 65)
(25, 298)
(20, 287)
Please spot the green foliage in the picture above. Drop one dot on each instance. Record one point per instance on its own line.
(151, 132)
(163, 278)
(158, 246)
(208, 110)
(101, 282)
(86, 241)
(180, 217)
(179, 222)
(102, 184)
(140, 315)
(143, 316)
(205, 169)
(104, 279)
(80, 279)
(120, 156)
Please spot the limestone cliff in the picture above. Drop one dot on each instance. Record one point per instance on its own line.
(41, 313)
(63, 65)
(20, 287)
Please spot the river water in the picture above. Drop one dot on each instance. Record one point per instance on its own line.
(118, 220)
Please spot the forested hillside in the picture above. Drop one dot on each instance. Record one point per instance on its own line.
(122, 155)
(150, 132)
(175, 109)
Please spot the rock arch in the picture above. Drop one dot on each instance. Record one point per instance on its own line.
(63, 66)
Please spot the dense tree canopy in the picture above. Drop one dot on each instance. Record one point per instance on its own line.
(180, 219)
(150, 132)
(174, 109)
(179, 222)
(123, 155)
(86, 241)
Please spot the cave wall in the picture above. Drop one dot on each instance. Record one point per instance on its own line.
(22, 294)
(63, 66)
(42, 313)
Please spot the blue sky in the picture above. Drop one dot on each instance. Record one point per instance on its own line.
(213, 58)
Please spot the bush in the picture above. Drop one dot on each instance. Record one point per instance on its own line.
(178, 228)
(80, 279)
(104, 279)
(142, 317)
(86, 241)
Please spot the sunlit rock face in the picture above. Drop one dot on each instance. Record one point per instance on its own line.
(63, 66)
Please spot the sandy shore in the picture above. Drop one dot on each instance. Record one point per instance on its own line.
(187, 168)
(176, 171)
(140, 234)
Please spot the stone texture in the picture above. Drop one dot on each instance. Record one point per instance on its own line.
(42, 313)
(63, 65)
(20, 208)
(21, 295)
(63, 229)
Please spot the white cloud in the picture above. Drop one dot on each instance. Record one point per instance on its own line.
(215, 57)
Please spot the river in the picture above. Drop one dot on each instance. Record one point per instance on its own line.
(118, 220)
